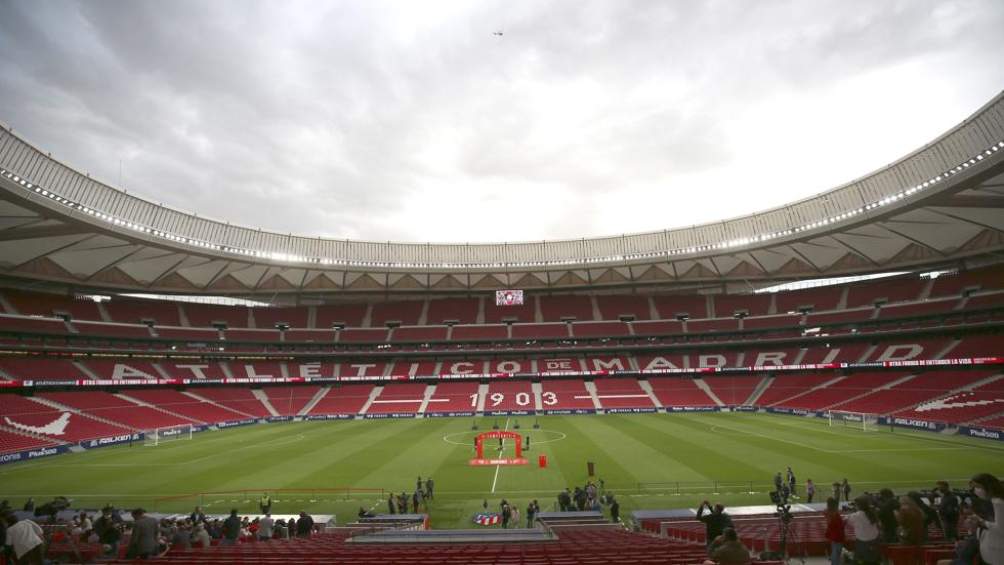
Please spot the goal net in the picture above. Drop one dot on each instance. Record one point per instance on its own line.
(158, 436)
(862, 420)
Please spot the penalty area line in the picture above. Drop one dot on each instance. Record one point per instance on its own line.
(498, 467)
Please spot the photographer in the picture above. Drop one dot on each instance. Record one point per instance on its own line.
(715, 522)
(888, 504)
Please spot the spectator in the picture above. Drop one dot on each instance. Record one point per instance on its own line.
(715, 522)
(506, 514)
(948, 511)
(25, 539)
(911, 522)
(728, 550)
(515, 515)
(991, 533)
(305, 525)
(888, 504)
(291, 527)
(836, 491)
(144, 541)
(390, 503)
(231, 529)
(810, 491)
(530, 513)
(29, 506)
(866, 532)
(791, 481)
(108, 532)
(265, 504)
(615, 510)
(182, 538)
(846, 488)
(200, 537)
(930, 514)
(197, 515)
(266, 528)
(565, 500)
(429, 484)
(834, 530)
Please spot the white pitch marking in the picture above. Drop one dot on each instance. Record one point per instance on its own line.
(497, 467)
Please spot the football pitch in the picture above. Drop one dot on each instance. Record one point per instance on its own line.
(646, 460)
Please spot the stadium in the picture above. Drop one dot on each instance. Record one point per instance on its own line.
(157, 359)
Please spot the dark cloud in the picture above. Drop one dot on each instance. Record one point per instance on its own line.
(411, 121)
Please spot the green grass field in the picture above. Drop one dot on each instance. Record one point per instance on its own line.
(648, 460)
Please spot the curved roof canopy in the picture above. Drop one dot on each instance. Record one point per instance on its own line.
(943, 204)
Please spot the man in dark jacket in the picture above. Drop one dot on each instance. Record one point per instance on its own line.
(565, 500)
(304, 526)
(108, 531)
(948, 511)
(231, 529)
(888, 504)
(715, 522)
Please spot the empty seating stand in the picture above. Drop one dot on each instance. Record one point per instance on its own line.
(343, 400)
(586, 544)
(624, 393)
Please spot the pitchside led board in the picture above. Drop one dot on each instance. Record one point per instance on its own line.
(508, 297)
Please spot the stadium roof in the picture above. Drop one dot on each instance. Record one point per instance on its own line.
(942, 205)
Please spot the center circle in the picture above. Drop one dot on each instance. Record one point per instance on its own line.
(554, 436)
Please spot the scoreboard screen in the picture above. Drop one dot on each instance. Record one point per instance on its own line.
(508, 297)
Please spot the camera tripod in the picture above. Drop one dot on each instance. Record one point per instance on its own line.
(786, 533)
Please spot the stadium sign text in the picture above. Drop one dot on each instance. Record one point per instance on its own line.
(982, 433)
(919, 424)
(114, 440)
(32, 454)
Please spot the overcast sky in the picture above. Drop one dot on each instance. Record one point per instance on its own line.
(414, 121)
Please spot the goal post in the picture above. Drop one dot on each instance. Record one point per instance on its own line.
(864, 421)
(158, 436)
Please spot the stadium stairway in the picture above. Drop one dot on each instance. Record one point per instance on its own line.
(429, 391)
(538, 403)
(482, 395)
(591, 389)
(647, 387)
(805, 392)
(86, 370)
(313, 401)
(758, 391)
(369, 401)
(216, 404)
(139, 402)
(701, 384)
(263, 398)
(886, 386)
